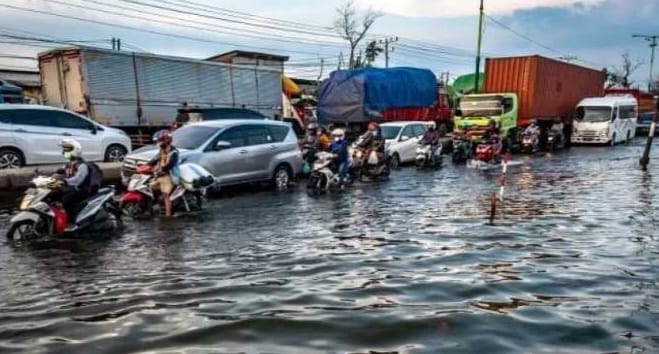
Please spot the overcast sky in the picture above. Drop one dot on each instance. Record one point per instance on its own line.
(439, 34)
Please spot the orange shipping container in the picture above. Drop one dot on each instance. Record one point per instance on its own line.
(546, 88)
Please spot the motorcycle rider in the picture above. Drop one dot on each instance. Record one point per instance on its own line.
(323, 139)
(431, 137)
(339, 147)
(533, 130)
(373, 141)
(311, 142)
(166, 164)
(78, 183)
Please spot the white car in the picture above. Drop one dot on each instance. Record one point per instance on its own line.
(31, 134)
(402, 139)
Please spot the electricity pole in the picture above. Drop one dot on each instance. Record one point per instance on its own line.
(653, 44)
(322, 67)
(478, 49)
(387, 43)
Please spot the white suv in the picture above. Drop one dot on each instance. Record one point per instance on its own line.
(31, 134)
(402, 139)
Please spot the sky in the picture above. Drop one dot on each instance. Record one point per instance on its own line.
(439, 35)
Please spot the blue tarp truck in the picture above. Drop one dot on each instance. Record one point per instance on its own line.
(354, 97)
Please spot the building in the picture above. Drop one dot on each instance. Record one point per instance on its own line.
(240, 57)
(28, 80)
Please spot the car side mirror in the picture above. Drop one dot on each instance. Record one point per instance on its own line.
(404, 138)
(221, 145)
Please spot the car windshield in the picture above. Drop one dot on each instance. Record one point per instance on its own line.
(192, 136)
(390, 132)
(594, 114)
(481, 106)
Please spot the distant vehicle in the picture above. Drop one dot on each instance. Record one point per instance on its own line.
(402, 140)
(31, 134)
(605, 120)
(644, 121)
(234, 151)
(519, 89)
(10, 93)
(645, 102)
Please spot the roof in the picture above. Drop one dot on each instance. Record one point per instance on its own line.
(608, 101)
(30, 106)
(23, 78)
(246, 54)
(222, 123)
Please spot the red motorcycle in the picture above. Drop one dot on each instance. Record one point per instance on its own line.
(489, 151)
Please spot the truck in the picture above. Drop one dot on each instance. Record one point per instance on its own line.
(142, 92)
(518, 90)
(354, 97)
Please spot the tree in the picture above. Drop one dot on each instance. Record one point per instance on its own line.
(372, 51)
(353, 28)
(620, 76)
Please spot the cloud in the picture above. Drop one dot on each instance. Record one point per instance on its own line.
(458, 8)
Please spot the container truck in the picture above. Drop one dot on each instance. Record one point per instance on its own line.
(137, 91)
(354, 97)
(518, 90)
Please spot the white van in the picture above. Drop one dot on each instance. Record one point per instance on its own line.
(605, 120)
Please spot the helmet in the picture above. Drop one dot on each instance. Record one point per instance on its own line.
(71, 148)
(372, 125)
(163, 137)
(432, 125)
(312, 126)
(338, 133)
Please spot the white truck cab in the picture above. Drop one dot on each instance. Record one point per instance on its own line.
(605, 120)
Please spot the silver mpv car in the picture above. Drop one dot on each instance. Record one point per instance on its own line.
(235, 151)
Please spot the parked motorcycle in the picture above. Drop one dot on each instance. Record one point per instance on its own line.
(425, 158)
(323, 177)
(139, 199)
(41, 213)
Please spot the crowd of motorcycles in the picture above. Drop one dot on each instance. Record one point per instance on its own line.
(41, 212)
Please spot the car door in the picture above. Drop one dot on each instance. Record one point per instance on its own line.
(83, 131)
(228, 164)
(408, 144)
(6, 129)
(262, 150)
(37, 136)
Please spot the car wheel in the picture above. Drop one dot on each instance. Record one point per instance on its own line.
(115, 153)
(395, 161)
(11, 158)
(281, 178)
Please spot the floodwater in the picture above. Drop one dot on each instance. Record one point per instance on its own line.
(409, 266)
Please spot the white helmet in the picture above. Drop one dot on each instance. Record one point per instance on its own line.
(338, 133)
(71, 147)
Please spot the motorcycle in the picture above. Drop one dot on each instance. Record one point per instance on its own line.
(41, 213)
(488, 151)
(426, 158)
(308, 157)
(323, 178)
(555, 141)
(366, 166)
(529, 144)
(138, 200)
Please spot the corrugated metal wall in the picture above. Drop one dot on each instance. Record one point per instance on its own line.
(546, 88)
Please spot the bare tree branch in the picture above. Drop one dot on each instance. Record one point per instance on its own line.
(347, 25)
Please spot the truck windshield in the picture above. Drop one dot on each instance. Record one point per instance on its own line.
(390, 132)
(192, 136)
(594, 114)
(481, 106)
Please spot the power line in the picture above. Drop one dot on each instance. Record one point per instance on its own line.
(144, 30)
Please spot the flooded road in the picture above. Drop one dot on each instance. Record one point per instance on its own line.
(406, 266)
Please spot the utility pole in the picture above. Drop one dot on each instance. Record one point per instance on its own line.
(653, 44)
(387, 43)
(322, 66)
(114, 43)
(478, 48)
(118, 44)
(340, 61)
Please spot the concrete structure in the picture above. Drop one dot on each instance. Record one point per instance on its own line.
(240, 57)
